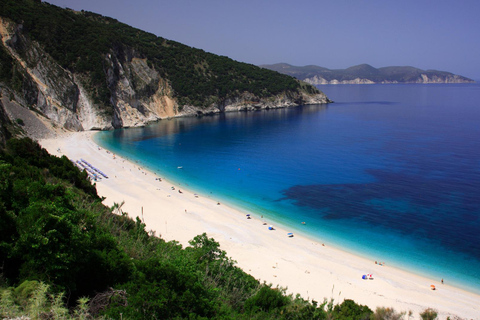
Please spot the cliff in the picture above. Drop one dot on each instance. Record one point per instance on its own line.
(366, 74)
(75, 71)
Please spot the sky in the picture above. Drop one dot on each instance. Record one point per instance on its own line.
(427, 34)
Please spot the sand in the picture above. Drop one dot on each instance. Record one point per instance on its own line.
(314, 270)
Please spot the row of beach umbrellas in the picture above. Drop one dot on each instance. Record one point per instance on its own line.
(94, 169)
(83, 166)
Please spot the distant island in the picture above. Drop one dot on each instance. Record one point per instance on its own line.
(366, 74)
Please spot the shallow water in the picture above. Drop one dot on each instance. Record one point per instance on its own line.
(391, 172)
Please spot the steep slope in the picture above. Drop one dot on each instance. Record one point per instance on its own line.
(83, 71)
(366, 74)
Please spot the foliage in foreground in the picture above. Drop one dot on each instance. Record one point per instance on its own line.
(63, 255)
(34, 299)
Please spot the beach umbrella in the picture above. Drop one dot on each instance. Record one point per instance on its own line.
(270, 228)
(432, 287)
(290, 234)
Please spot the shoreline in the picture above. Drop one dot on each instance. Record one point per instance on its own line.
(299, 263)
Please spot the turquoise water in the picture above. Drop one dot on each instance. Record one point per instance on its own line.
(390, 172)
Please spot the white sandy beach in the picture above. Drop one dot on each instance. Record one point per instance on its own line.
(300, 264)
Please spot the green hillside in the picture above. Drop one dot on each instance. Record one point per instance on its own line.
(80, 41)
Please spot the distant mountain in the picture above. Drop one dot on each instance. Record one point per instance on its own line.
(366, 74)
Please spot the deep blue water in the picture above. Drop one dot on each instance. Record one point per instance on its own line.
(390, 172)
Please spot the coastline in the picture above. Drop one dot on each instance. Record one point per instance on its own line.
(300, 264)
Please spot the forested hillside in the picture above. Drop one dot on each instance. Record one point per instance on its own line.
(82, 41)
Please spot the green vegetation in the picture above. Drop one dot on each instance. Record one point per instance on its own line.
(63, 252)
(82, 42)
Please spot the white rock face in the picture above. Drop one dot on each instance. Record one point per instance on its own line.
(316, 80)
(448, 79)
(423, 78)
(88, 114)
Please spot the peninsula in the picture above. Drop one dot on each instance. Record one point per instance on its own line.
(83, 71)
(366, 74)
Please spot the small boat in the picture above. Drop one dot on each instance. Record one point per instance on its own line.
(179, 167)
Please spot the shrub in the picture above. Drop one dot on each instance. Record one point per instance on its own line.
(350, 310)
(382, 313)
(429, 314)
(266, 300)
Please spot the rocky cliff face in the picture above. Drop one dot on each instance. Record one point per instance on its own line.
(47, 88)
(138, 93)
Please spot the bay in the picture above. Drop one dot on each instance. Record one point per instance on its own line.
(389, 172)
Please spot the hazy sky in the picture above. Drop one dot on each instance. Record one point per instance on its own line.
(427, 34)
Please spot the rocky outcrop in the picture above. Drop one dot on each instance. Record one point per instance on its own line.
(138, 92)
(48, 88)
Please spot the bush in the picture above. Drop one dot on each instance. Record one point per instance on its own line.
(429, 314)
(350, 310)
(266, 300)
(382, 313)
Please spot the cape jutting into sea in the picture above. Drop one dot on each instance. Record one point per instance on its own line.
(388, 172)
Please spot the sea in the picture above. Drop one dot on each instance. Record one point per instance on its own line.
(388, 172)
